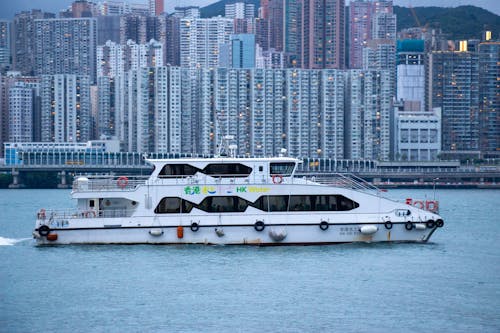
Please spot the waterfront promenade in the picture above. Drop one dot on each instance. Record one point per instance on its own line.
(444, 174)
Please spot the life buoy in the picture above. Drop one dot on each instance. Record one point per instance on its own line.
(432, 206)
(324, 225)
(419, 204)
(259, 225)
(439, 223)
(277, 179)
(408, 225)
(430, 224)
(122, 182)
(41, 214)
(44, 230)
(388, 225)
(194, 227)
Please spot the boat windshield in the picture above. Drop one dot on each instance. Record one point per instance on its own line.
(283, 168)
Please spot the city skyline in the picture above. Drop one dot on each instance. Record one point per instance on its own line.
(291, 78)
(9, 9)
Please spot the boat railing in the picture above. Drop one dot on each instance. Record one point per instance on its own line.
(67, 214)
(128, 183)
(107, 183)
(347, 180)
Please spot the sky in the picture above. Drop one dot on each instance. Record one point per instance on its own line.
(9, 7)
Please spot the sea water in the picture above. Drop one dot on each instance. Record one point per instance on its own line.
(451, 284)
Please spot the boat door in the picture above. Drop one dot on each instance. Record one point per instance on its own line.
(260, 173)
(94, 204)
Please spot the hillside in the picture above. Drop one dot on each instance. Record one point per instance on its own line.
(462, 22)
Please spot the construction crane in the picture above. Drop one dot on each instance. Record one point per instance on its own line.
(414, 14)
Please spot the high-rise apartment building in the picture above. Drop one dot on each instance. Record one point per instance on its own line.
(360, 17)
(133, 27)
(106, 117)
(116, 8)
(65, 111)
(240, 10)
(368, 112)
(21, 105)
(268, 133)
(232, 107)
(410, 74)
(156, 7)
(18, 118)
(66, 46)
(108, 28)
(200, 40)
(489, 96)
(5, 45)
(172, 49)
(188, 12)
(322, 34)
(23, 40)
(242, 51)
(114, 59)
(369, 20)
(291, 33)
(454, 87)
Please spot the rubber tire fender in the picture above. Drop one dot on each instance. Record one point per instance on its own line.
(44, 230)
(324, 225)
(259, 226)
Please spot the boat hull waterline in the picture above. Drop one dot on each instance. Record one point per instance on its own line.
(232, 234)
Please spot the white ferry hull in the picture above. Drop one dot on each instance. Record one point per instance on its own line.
(248, 201)
(213, 234)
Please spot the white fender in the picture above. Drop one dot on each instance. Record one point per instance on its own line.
(156, 232)
(368, 229)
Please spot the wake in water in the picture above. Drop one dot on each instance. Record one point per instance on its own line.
(11, 241)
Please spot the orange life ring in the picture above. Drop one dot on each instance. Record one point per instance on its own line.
(122, 182)
(277, 179)
(432, 206)
(419, 204)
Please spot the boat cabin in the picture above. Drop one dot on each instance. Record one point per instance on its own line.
(258, 170)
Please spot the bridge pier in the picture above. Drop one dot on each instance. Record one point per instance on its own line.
(15, 179)
(63, 183)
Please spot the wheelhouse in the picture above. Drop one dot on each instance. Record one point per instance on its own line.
(268, 168)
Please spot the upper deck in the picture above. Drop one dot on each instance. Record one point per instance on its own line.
(202, 171)
(217, 171)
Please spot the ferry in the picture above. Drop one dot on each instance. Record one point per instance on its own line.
(228, 200)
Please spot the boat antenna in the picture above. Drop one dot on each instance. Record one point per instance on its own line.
(226, 149)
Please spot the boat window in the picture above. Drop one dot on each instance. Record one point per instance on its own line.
(326, 203)
(223, 204)
(262, 203)
(227, 170)
(301, 202)
(176, 170)
(278, 203)
(169, 205)
(173, 205)
(346, 203)
(285, 169)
